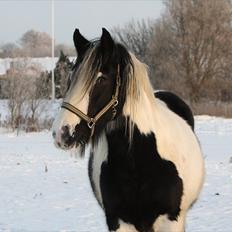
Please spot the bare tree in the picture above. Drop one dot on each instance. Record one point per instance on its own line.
(16, 90)
(32, 105)
(68, 50)
(36, 44)
(20, 89)
(43, 85)
(9, 50)
(192, 45)
(136, 36)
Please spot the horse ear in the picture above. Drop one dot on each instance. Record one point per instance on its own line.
(106, 42)
(80, 42)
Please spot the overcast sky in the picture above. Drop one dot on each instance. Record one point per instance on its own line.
(18, 16)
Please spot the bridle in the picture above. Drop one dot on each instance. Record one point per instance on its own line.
(91, 121)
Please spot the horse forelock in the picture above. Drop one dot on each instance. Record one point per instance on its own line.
(86, 74)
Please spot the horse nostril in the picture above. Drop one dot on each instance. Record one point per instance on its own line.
(65, 129)
(65, 132)
(53, 134)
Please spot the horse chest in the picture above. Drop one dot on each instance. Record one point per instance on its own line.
(134, 184)
(98, 155)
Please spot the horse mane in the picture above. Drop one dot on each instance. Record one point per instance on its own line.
(135, 86)
(138, 88)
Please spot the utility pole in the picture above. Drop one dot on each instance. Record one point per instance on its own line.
(53, 48)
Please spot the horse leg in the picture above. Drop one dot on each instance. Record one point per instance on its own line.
(124, 227)
(163, 224)
(178, 225)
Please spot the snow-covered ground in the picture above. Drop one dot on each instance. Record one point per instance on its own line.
(45, 189)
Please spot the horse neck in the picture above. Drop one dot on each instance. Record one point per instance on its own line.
(141, 111)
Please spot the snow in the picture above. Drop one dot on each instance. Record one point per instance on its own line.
(45, 189)
(213, 211)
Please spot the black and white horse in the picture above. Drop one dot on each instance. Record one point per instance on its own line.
(146, 167)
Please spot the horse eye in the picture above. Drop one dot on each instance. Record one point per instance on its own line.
(101, 79)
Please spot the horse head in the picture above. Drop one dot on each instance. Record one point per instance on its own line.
(96, 90)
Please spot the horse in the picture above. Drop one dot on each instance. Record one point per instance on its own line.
(145, 164)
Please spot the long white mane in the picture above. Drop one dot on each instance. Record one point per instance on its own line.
(140, 99)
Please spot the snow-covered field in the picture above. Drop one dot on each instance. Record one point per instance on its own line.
(45, 189)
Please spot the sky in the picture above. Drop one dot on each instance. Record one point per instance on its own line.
(18, 16)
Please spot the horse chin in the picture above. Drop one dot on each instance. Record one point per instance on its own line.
(69, 146)
(64, 147)
(75, 143)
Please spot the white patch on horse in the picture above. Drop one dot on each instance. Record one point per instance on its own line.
(100, 153)
(163, 224)
(125, 227)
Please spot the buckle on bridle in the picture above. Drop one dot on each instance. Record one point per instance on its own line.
(91, 123)
(115, 103)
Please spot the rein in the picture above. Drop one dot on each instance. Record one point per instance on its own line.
(91, 121)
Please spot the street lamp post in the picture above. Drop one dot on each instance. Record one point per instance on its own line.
(53, 45)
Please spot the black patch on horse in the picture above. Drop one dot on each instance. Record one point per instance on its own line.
(90, 171)
(177, 105)
(137, 184)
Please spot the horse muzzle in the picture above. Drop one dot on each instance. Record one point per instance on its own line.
(63, 139)
(66, 139)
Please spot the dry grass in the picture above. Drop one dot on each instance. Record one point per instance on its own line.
(219, 109)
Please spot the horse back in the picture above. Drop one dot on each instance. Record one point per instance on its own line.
(177, 105)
